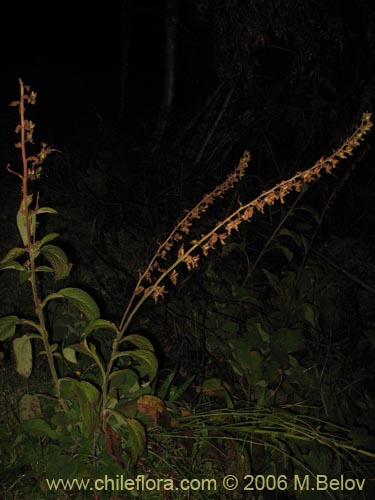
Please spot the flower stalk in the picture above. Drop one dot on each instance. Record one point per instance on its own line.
(150, 286)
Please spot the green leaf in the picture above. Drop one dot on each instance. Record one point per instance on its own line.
(78, 298)
(58, 260)
(286, 251)
(46, 210)
(128, 407)
(8, 326)
(49, 237)
(312, 211)
(319, 458)
(311, 314)
(60, 465)
(43, 269)
(67, 387)
(29, 407)
(81, 347)
(140, 341)
(137, 438)
(24, 356)
(126, 381)
(37, 427)
(167, 384)
(70, 354)
(288, 340)
(89, 349)
(21, 220)
(62, 420)
(244, 294)
(176, 392)
(132, 430)
(91, 392)
(248, 359)
(214, 387)
(24, 275)
(147, 363)
(12, 264)
(295, 237)
(88, 397)
(230, 327)
(256, 360)
(361, 437)
(271, 371)
(273, 280)
(14, 253)
(100, 323)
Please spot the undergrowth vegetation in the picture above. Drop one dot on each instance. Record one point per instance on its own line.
(257, 375)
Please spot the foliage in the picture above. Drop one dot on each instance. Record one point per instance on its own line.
(107, 397)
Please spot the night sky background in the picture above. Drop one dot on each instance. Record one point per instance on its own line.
(291, 66)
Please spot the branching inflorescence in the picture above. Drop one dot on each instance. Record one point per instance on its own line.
(149, 283)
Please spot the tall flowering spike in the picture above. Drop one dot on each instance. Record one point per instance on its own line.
(223, 229)
(207, 200)
(182, 229)
(278, 192)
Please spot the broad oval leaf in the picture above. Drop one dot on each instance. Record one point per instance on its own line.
(67, 387)
(286, 251)
(155, 408)
(13, 254)
(230, 327)
(137, 438)
(287, 232)
(38, 427)
(24, 356)
(62, 466)
(70, 354)
(80, 347)
(21, 219)
(29, 407)
(91, 392)
(88, 397)
(78, 298)
(58, 260)
(273, 280)
(146, 362)
(288, 340)
(100, 323)
(24, 275)
(311, 314)
(126, 381)
(89, 349)
(49, 237)
(140, 341)
(132, 430)
(12, 264)
(7, 326)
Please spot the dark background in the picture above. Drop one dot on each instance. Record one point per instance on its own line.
(301, 71)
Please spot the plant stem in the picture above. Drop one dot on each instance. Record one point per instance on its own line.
(30, 236)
